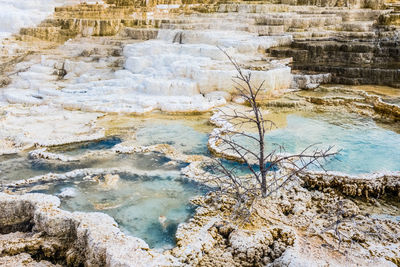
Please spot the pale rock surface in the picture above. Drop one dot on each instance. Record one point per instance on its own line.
(17, 14)
(276, 236)
(24, 127)
(42, 154)
(310, 82)
(158, 74)
(88, 174)
(68, 192)
(372, 184)
(24, 259)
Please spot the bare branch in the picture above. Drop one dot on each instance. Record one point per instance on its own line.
(269, 171)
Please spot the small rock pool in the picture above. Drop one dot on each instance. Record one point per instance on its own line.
(146, 206)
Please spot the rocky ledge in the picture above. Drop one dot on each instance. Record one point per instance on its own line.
(367, 185)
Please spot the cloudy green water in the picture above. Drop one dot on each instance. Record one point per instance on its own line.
(365, 147)
(136, 202)
(18, 167)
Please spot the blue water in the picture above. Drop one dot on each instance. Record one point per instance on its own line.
(78, 148)
(24, 167)
(136, 202)
(239, 169)
(365, 147)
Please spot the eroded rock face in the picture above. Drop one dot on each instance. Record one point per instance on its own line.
(310, 82)
(362, 185)
(338, 3)
(183, 68)
(24, 259)
(282, 230)
(371, 62)
(358, 52)
(15, 15)
(321, 39)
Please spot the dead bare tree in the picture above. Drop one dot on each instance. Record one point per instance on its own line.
(271, 169)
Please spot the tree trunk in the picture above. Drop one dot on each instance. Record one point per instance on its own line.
(263, 185)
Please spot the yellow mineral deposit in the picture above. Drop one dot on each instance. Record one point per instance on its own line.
(109, 181)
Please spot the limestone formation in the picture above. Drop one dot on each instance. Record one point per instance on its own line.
(61, 72)
(371, 185)
(361, 102)
(25, 127)
(289, 233)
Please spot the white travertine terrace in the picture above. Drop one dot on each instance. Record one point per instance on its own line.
(158, 74)
(17, 14)
(56, 97)
(25, 127)
(179, 71)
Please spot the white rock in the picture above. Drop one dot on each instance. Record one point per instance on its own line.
(68, 192)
